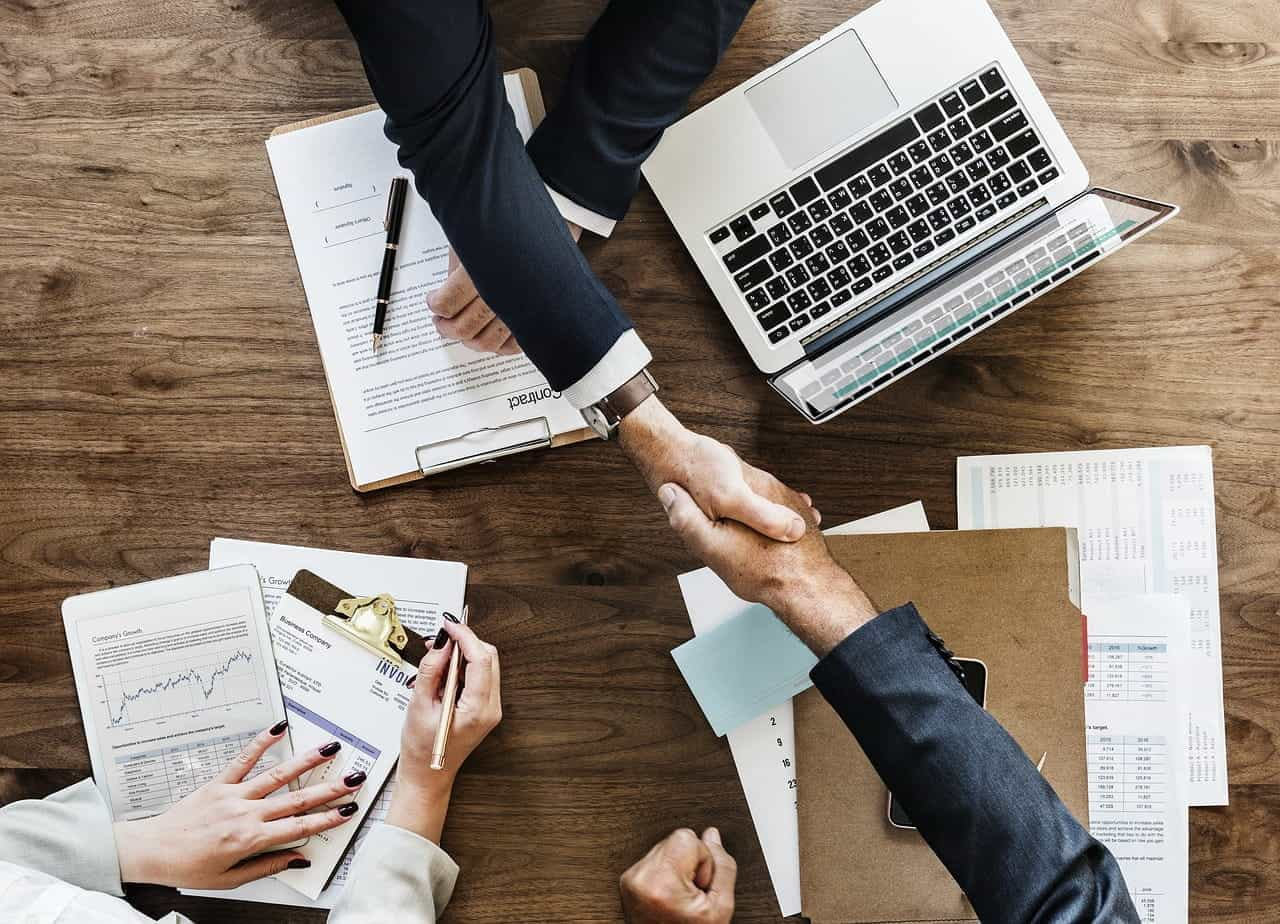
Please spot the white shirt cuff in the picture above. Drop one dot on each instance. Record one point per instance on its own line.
(625, 359)
(580, 216)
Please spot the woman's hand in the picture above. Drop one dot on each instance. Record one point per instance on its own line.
(217, 837)
(421, 797)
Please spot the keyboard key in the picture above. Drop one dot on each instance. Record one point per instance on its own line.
(920, 152)
(903, 261)
(1039, 159)
(879, 175)
(839, 277)
(798, 322)
(972, 93)
(1007, 200)
(993, 108)
(978, 195)
(820, 211)
(977, 170)
(840, 297)
(900, 163)
(821, 236)
(797, 276)
(719, 234)
(860, 186)
(760, 211)
(1009, 125)
(881, 200)
(999, 183)
(960, 128)
(930, 117)
(1019, 172)
(782, 205)
(867, 153)
(922, 248)
(860, 265)
(752, 276)
(901, 188)
(897, 217)
(959, 207)
(747, 254)
(1027, 188)
(939, 219)
(842, 224)
(838, 252)
(800, 222)
(939, 140)
(1048, 176)
(819, 310)
(742, 227)
(965, 224)
(817, 264)
(861, 285)
(819, 288)
(779, 234)
(941, 165)
(804, 191)
(917, 205)
(840, 199)
(937, 194)
(899, 242)
(1022, 143)
(781, 259)
(757, 299)
(943, 236)
(857, 240)
(921, 177)
(997, 158)
(992, 80)
(952, 104)
(772, 317)
(777, 287)
(861, 212)
(981, 141)
(919, 231)
(882, 274)
(957, 181)
(985, 212)
(877, 229)
(799, 301)
(878, 254)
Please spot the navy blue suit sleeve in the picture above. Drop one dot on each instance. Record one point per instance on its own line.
(433, 68)
(977, 800)
(631, 78)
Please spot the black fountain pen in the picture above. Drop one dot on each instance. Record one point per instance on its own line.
(395, 214)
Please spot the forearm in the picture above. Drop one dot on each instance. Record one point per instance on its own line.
(434, 71)
(422, 807)
(976, 799)
(631, 78)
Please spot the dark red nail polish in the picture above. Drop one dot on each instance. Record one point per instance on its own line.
(452, 618)
(346, 811)
(354, 779)
(441, 637)
(279, 727)
(299, 863)
(412, 681)
(333, 747)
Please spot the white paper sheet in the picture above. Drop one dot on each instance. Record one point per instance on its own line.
(1139, 647)
(410, 582)
(419, 389)
(1146, 523)
(764, 748)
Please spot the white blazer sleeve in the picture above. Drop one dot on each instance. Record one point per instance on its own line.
(67, 835)
(397, 876)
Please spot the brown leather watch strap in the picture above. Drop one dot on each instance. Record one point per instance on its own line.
(628, 396)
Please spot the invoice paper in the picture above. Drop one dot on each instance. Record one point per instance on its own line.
(419, 389)
(1138, 651)
(422, 590)
(1146, 524)
(764, 748)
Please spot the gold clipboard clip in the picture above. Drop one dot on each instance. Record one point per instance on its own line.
(372, 623)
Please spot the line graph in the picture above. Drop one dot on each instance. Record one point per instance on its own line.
(163, 690)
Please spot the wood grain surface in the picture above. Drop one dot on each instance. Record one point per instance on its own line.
(160, 385)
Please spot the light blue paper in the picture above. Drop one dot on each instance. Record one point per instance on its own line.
(744, 667)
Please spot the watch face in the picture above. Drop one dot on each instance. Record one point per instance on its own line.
(596, 421)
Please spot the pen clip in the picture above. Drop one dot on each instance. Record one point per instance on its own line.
(391, 197)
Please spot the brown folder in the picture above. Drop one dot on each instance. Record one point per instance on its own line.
(1001, 596)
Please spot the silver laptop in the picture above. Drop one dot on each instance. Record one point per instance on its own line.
(881, 195)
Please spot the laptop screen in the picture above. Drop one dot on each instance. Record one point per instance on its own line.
(1016, 271)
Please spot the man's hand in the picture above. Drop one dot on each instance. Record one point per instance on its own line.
(461, 314)
(684, 879)
(799, 581)
(721, 484)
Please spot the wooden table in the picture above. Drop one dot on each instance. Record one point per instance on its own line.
(160, 385)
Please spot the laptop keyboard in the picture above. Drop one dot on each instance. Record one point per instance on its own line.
(884, 209)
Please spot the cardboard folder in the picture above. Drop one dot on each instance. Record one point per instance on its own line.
(1002, 596)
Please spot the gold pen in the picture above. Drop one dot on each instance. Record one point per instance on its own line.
(449, 697)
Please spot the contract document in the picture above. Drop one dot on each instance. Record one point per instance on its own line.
(1146, 523)
(1139, 652)
(422, 589)
(764, 748)
(421, 403)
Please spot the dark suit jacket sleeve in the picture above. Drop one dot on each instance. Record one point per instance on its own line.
(977, 800)
(433, 69)
(631, 78)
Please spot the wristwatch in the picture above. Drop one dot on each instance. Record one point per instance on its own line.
(605, 415)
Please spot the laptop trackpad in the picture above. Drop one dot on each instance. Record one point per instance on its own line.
(832, 93)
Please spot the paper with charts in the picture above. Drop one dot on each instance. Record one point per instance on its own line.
(419, 389)
(422, 590)
(1147, 525)
(1139, 648)
(764, 748)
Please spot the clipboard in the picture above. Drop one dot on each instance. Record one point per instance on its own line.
(487, 444)
(370, 622)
